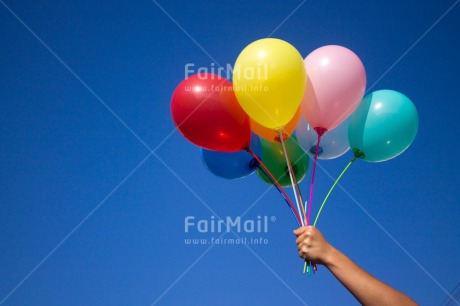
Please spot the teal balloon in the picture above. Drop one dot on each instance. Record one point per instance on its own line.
(383, 126)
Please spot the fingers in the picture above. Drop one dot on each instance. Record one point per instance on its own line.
(302, 254)
(305, 233)
(304, 250)
(310, 243)
(300, 230)
(304, 241)
(302, 237)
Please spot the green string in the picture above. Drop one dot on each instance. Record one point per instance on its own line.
(306, 265)
(357, 154)
(333, 186)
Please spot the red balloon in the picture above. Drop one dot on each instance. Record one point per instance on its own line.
(205, 110)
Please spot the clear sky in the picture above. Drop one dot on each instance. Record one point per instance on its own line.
(96, 183)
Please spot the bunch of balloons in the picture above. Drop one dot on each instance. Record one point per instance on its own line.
(281, 108)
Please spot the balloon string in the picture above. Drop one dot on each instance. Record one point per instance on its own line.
(287, 202)
(283, 194)
(313, 178)
(299, 193)
(275, 182)
(292, 177)
(320, 132)
(306, 266)
(296, 190)
(332, 188)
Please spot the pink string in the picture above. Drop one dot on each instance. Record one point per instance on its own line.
(320, 132)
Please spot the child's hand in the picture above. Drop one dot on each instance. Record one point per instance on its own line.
(313, 246)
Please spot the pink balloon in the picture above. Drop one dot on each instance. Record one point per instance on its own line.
(335, 86)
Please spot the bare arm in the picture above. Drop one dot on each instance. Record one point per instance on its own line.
(365, 288)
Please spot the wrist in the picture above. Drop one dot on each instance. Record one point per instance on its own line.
(331, 257)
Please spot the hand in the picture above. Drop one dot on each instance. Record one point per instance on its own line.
(365, 288)
(313, 246)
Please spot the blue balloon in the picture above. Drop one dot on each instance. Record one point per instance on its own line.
(232, 165)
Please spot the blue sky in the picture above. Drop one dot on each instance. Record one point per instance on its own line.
(96, 183)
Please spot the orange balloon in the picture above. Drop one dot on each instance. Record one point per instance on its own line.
(273, 135)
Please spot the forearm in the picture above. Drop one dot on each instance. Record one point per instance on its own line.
(365, 288)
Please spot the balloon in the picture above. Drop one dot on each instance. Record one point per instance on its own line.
(273, 157)
(383, 126)
(333, 144)
(232, 165)
(206, 112)
(272, 135)
(269, 79)
(335, 86)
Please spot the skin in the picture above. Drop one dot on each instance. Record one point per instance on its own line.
(364, 287)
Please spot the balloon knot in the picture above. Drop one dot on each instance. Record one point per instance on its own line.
(278, 138)
(320, 131)
(294, 169)
(313, 150)
(358, 154)
(253, 163)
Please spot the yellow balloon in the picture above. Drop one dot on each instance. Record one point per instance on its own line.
(269, 80)
(271, 134)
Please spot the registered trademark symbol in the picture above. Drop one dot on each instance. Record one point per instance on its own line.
(273, 218)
